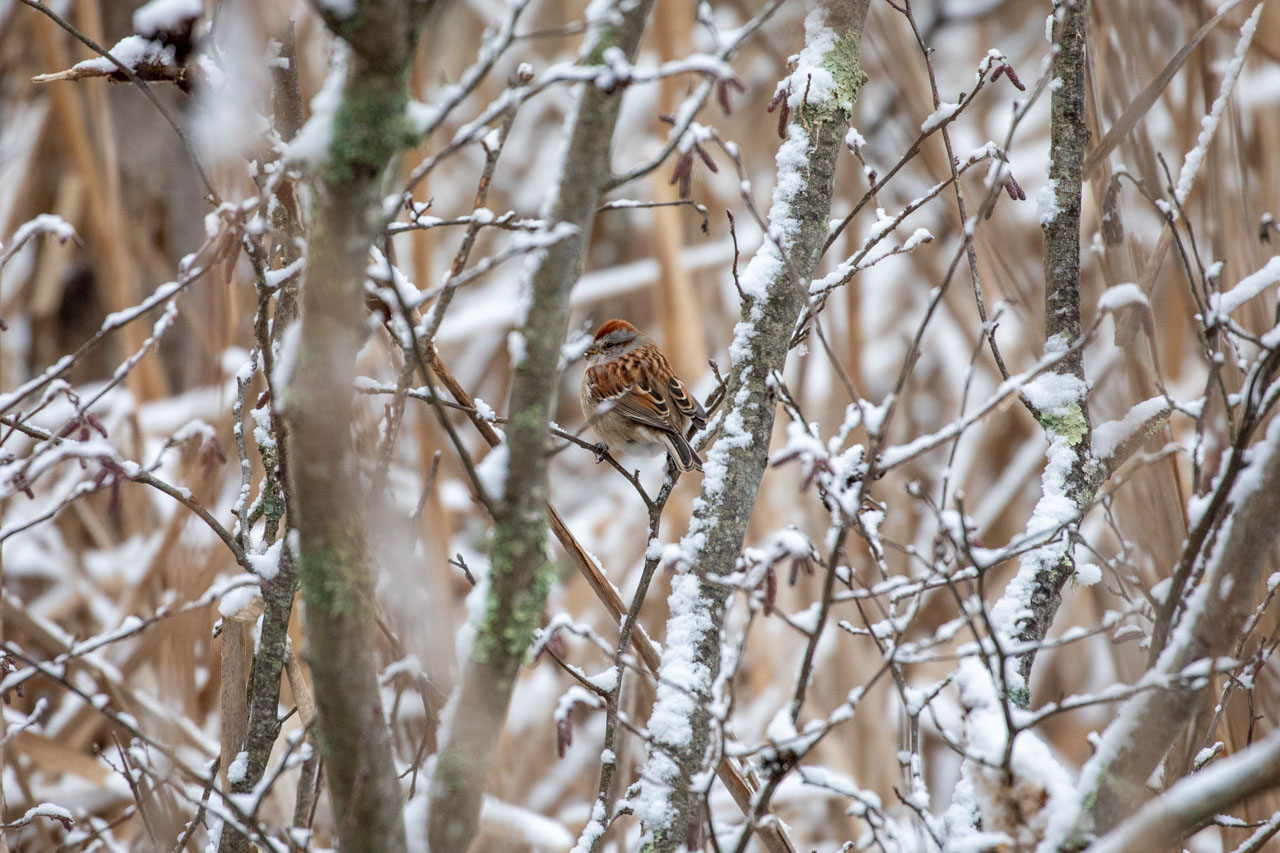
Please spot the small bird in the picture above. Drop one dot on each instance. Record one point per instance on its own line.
(630, 396)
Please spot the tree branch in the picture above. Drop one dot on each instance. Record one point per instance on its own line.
(1029, 604)
(1161, 823)
(1216, 610)
(335, 564)
(519, 574)
(774, 285)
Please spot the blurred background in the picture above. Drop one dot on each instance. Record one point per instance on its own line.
(99, 155)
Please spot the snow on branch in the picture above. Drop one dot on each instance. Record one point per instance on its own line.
(1247, 288)
(823, 85)
(1209, 124)
(162, 294)
(1115, 441)
(45, 223)
(44, 810)
(1136, 741)
(1038, 382)
(1163, 822)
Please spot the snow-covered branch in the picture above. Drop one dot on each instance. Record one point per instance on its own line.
(823, 87)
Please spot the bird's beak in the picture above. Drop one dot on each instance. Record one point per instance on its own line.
(590, 352)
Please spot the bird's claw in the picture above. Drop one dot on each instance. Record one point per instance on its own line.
(602, 452)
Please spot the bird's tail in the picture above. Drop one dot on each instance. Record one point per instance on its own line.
(681, 453)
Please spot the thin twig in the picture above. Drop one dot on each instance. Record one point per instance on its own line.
(142, 85)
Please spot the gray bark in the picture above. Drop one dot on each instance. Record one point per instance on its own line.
(1149, 723)
(1068, 137)
(736, 463)
(335, 563)
(520, 574)
(264, 687)
(1183, 808)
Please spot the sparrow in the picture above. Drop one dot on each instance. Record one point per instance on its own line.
(631, 397)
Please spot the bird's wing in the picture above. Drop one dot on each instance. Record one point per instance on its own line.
(638, 402)
(685, 403)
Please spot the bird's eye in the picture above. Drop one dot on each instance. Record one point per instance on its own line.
(610, 345)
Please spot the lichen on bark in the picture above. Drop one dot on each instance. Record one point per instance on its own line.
(369, 128)
(844, 61)
(1070, 424)
(511, 621)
